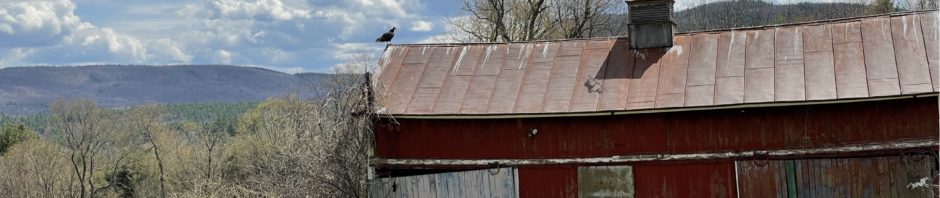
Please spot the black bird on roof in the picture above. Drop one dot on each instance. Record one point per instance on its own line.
(387, 36)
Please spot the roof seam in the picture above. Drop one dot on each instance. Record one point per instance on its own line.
(832, 52)
(688, 69)
(501, 72)
(897, 67)
(424, 69)
(446, 80)
(923, 41)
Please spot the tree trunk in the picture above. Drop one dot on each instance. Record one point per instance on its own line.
(156, 153)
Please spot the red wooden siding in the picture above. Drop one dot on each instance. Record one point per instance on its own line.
(679, 132)
(846, 177)
(684, 180)
(548, 181)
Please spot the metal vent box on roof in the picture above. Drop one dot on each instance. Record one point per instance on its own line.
(652, 23)
(651, 35)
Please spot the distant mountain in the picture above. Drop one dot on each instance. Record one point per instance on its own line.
(27, 90)
(749, 13)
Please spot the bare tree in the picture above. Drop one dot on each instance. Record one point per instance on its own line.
(87, 132)
(586, 18)
(146, 121)
(526, 20)
(211, 135)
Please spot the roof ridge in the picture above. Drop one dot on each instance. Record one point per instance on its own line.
(823, 21)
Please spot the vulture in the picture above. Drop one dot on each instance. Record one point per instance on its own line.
(387, 36)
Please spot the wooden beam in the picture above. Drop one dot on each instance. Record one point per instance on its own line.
(906, 145)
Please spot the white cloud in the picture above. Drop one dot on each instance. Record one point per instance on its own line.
(421, 26)
(36, 23)
(252, 9)
(282, 35)
(223, 56)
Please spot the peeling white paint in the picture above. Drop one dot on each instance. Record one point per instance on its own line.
(730, 46)
(677, 49)
(904, 27)
(915, 24)
(524, 58)
(883, 35)
(489, 49)
(544, 49)
(923, 183)
(463, 51)
(797, 40)
(936, 25)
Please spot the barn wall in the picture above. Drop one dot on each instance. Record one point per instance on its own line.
(888, 176)
(499, 182)
(678, 132)
(548, 181)
(685, 180)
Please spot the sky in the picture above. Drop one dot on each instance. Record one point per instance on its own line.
(285, 35)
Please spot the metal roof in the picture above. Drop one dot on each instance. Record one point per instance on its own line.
(855, 58)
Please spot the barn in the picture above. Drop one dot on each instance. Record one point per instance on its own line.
(838, 108)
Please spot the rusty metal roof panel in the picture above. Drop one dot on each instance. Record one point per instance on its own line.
(879, 57)
(535, 82)
(562, 79)
(478, 94)
(429, 87)
(458, 81)
(506, 91)
(700, 89)
(673, 74)
(618, 71)
(509, 80)
(405, 84)
(818, 62)
(913, 72)
(759, 66)
(789, 82)
(423, 100)
(852, 58)
(849, 60)
(729, 71)
(645, 79)
(484, 80)
(434, 76)
(589, 83)
(930, 23)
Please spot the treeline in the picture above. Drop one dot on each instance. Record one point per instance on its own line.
(175, 113)
(284, 147)
(512, 20)
(749, 13)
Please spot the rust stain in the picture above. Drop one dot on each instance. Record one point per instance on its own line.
(867, 57)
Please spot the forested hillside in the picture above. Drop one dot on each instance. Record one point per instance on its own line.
(734, 14)
(28, 90)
